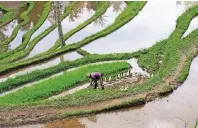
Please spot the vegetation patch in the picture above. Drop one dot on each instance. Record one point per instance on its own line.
(26, 37)
(129, 13)
(83, 52)
(60, 83)
(168, 68)
(101, 9)
(40, 74)
(19, 51)
(163, 60)
(25, 18)
(8, 15)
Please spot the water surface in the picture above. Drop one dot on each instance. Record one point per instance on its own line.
(68, 56)
(178, 110)
(155, 22)
(34, 16)
(49, 40)
(101, 23)
(193, 25)
(6, 30)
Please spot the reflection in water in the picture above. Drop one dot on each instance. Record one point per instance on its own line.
(101, 23)
(178, 110)
(6, 30)
(34, 15)
(186, 4)
(10, 4)
(47, 23)
(136, 68)
(153, 23)
(1, 14)
(193, 25)
(117, 5)
(49, 40)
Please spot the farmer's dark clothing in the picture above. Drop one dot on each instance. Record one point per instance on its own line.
(95, 76)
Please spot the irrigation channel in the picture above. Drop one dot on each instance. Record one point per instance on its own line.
(178, 110)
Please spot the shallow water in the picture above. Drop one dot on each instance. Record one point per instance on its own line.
(101, 23)
(34, 15)
(18, 39)
(6, 30)
(178, 110)
(193, 25)
(69, 56)
(48, 41)
(1, 14)
(155, 22)
(42, 28)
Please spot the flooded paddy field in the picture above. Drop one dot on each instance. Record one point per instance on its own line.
(178, 109)
(48, 41)
(152, 24)
(141, 49)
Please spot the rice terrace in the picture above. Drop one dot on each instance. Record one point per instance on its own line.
(98, 64)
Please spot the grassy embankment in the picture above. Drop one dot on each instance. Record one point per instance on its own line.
(83, 52)
(61, 83)
(26, 37)
(24, 17)
(170, 51)
(129, 13)
(8, 15)
(100, 10)
(40, 74)
(175, 47)
(102, 7)
(9, 56)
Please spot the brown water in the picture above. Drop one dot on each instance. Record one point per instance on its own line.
(34, 15)
(178, 110)
(49, 40)
(10, 4)
(155, 22)
(47, 23)
(101, 23)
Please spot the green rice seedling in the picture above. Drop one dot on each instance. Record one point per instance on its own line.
(61, 83)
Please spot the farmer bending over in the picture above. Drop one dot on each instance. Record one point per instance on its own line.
(95, 76)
